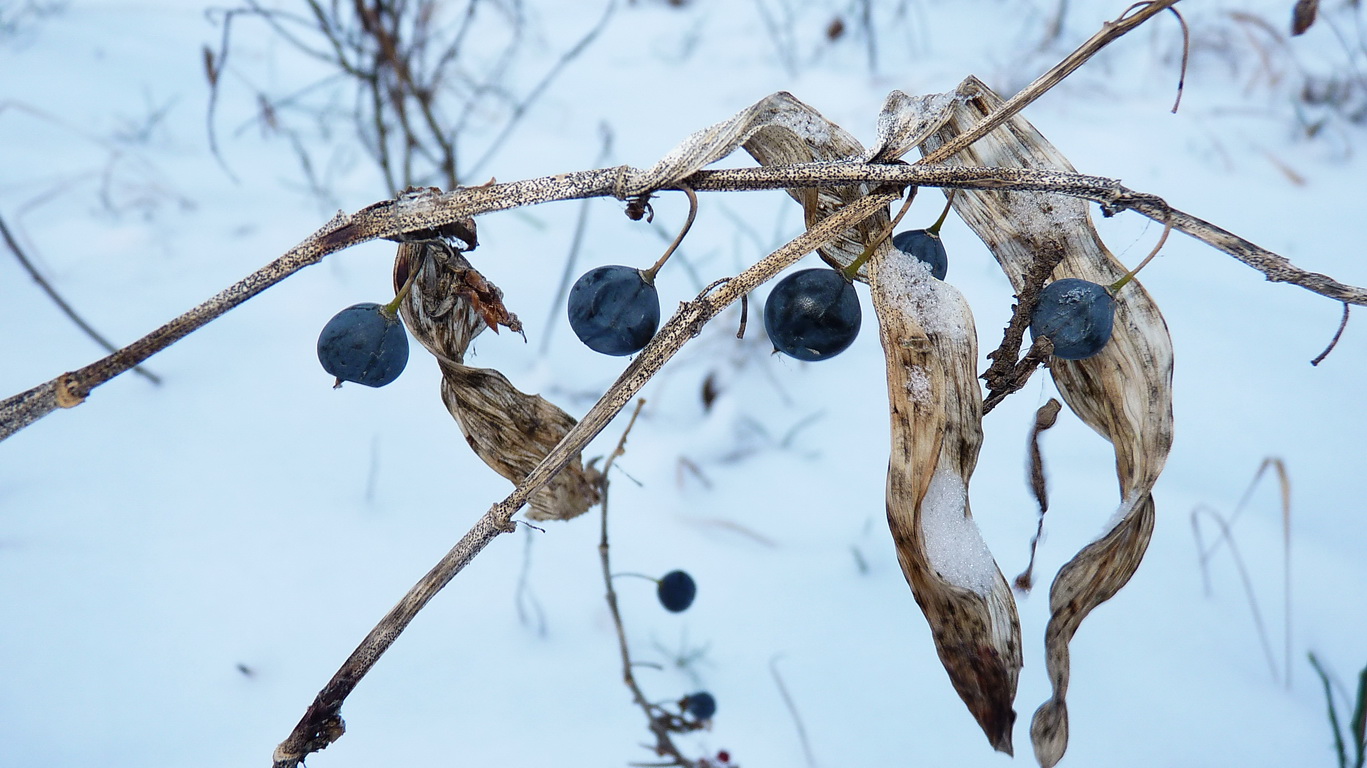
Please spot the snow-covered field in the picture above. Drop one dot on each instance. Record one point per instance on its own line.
(183, 566)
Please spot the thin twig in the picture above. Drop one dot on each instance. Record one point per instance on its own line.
(792, 710)
(520, 110)
(649, 274)
(661, 722)
(62, 304)
(1334, 342)
(576, 242)
(1108, 34)
(1186, 57)
(1258, 623)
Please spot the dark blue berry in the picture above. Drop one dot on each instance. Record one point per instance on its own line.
(925, 246)
(1077, 315)
(364, 344)
(613, 310)
(812, 315)
(676, 591)
(700, 705)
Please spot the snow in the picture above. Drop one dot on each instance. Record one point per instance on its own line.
(918, 384)
(954, 545)
(908, 287)
(243, 513)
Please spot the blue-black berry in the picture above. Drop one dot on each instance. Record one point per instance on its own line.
(676, 591)
(613, 310)
(925, 246)
(700, 705)
(365, 344)
(812, 314)
(1077, 315)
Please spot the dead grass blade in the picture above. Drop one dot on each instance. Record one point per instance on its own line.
(1045, 418)
(1124, 393)
(930, 346)
(1226, 525)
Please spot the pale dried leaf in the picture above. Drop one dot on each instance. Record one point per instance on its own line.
(777, 130)
(930, 347)
(1124, 393)
(450, 304)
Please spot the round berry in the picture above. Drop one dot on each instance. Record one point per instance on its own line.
(676, 591)
(365, 344)
(812, 315)
(925, 246)
(613, 310)
(1077, 315)
(700, 705)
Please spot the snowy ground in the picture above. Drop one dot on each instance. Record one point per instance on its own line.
(183, 566)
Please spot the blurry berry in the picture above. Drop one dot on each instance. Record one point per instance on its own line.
(1076, 315)
(613, 310)
(700, 705)
(925, 246)
(813, 314)
(676, 591)
(364, 344)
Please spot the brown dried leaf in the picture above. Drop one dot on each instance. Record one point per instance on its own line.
(449, 304)
(1303, 15)
(1124, 393)
(930, 346)
(512, 432)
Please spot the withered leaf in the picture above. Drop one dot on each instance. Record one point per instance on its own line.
(449, 304)
(1303, 15)
(1124, 393)
(930, 346)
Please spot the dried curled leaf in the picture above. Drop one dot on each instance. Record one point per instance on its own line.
(449, 304)
(1124, 393)
(777, 130)
(1303, 16)
(930, 346)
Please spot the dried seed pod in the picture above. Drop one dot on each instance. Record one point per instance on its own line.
(450, 304)
(1124, 392)
(930, 346)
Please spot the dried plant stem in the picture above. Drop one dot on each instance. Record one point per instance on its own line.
(413, 212)
(1110, 31)
(322, 723)
(662, 723)
(792, 710)
(1334, 342)
(66, 307)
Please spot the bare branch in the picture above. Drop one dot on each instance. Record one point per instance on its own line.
(62, 304)
(322, 723)
(429, 210)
